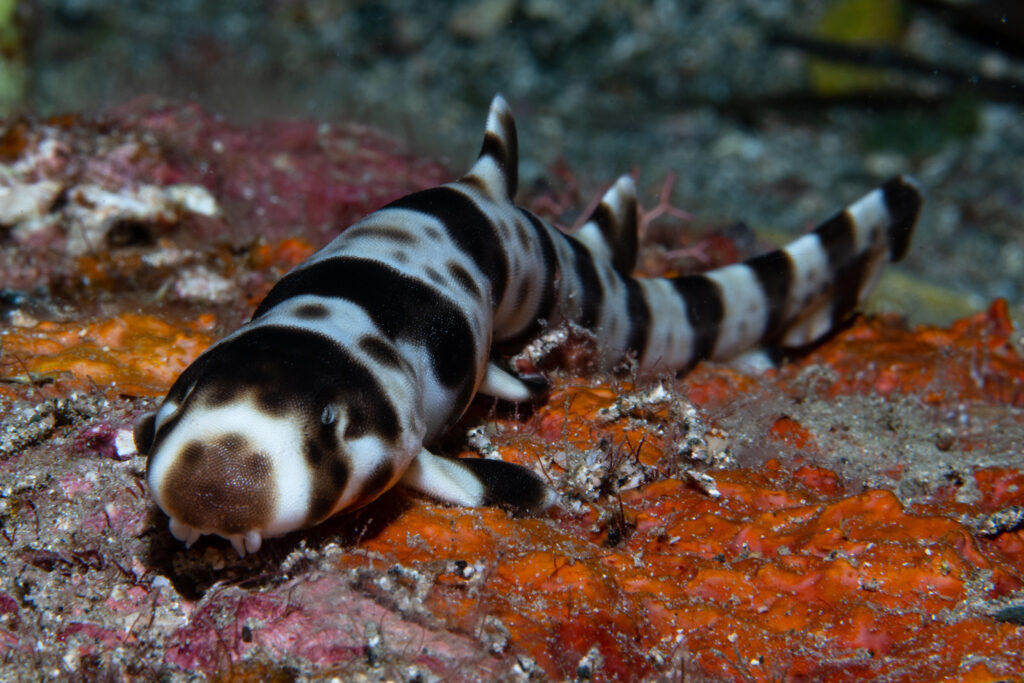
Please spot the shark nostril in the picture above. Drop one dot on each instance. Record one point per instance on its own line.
(220, 486)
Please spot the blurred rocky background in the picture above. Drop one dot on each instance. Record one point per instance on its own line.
(772, 113)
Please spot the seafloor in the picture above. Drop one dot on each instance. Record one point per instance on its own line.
(855, 514)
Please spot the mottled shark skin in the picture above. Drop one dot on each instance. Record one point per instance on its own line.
(377, 343)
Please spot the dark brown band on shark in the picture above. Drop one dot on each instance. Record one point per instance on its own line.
(903, 200)
(775, 273)
(702, 298)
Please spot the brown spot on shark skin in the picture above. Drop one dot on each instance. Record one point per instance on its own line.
(380, 351)
(463, 277)
(311, 311)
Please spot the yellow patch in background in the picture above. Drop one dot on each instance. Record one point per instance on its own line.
(868, 23)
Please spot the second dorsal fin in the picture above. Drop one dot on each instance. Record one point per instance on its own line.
(612, 227)
(496, 170)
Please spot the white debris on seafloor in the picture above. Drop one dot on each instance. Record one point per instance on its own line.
(167, 255)
(560, 337)
(56, 196)
(27, 202)
(124, 444)
(479, 439)
(704, 481)
(692, 449)
(193, 198)
(200, 284)
(91, 211)
(635, 400)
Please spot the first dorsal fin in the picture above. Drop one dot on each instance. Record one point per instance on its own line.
(611, 229)
(496, 170)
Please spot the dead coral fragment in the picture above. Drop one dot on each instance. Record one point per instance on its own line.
(1006, 520)
(45, 198)
(24, 203)
(94, 217)
(202, 285)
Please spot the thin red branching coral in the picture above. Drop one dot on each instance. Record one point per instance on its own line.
(662, 208)
(560, 197)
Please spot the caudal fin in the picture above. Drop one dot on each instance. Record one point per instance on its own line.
(834, 268)
(789, 297)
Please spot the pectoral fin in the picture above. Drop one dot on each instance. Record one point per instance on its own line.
(475, 482)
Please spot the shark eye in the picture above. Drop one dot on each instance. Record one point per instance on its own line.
(329, 415)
